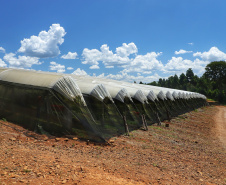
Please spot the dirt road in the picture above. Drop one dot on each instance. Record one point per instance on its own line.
(187, 152)
(220, 120)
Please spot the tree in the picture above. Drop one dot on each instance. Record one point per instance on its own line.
(170, 82)
(160, 82)
(189, 74)
(195, 80)
(153, 83)
(164, 82)
(183, 81)
(216, 72)
(212, 83)
(176, 83)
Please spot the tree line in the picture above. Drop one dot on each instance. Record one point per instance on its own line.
(212, 83)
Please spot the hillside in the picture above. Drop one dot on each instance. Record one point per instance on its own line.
(189, 151)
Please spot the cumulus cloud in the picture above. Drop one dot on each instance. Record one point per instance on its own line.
(182, 52)
(214, 54)
(70, 55)
(21, 61)
(70, 68)
(57, 67)
(46, 44)
(122, 58)
(109, 67)
(79, 72)
(145, 63)
(149, 63)
(94, 67)
(2, 63)
(111, 59)
(107, 57)
(2, 50)
(91, 57)
(123, 76)
(178, 65)
(126, 49)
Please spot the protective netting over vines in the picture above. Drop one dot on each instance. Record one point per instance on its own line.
(87, 107)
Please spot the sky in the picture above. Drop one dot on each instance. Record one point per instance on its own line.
(129, 40)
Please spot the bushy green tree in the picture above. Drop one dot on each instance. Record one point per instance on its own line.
(212, 83)
(189, 75)
(183, 81)
(216, 72)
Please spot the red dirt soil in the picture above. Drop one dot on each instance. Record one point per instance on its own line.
(189, 151)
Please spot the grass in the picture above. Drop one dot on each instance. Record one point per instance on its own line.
(155, 165)
(145, 146)
(158, 128)
(26, 170)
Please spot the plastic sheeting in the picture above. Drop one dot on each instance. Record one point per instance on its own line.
(97, 90)
(89, 107)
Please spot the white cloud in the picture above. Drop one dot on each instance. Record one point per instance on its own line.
(178, 65)
(191, 43)
(141, 63)
(70, 55)
(57, 67)
(21, 61)
(126, 49)
(2, 50)
(91, 57)
(145, 63)
(214, 54)
(79, 72)
(182, 52)
(111, 59)
(70, 68)
(46, 44)
(109, 67)
(2, 63)
(123, 76)
(148, 63)
(107, 57)
(94, 67)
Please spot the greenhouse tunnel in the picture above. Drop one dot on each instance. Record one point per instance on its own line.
(140, 100)
(123, 102)
(89, 107)
(101, 105)
(46, 102)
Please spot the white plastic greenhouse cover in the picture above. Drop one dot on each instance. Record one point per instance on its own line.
(153, 92)
(72, 85)
(65, 85)
(170, 96)
(133, 92)
(114, 89)
(148, 92)
(166, 92)
(86, 86)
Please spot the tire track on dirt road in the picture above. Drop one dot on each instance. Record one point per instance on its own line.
(220, 119)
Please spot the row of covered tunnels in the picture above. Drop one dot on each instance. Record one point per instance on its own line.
(88, 107)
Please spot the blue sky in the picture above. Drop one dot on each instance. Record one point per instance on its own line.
(129, 40)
